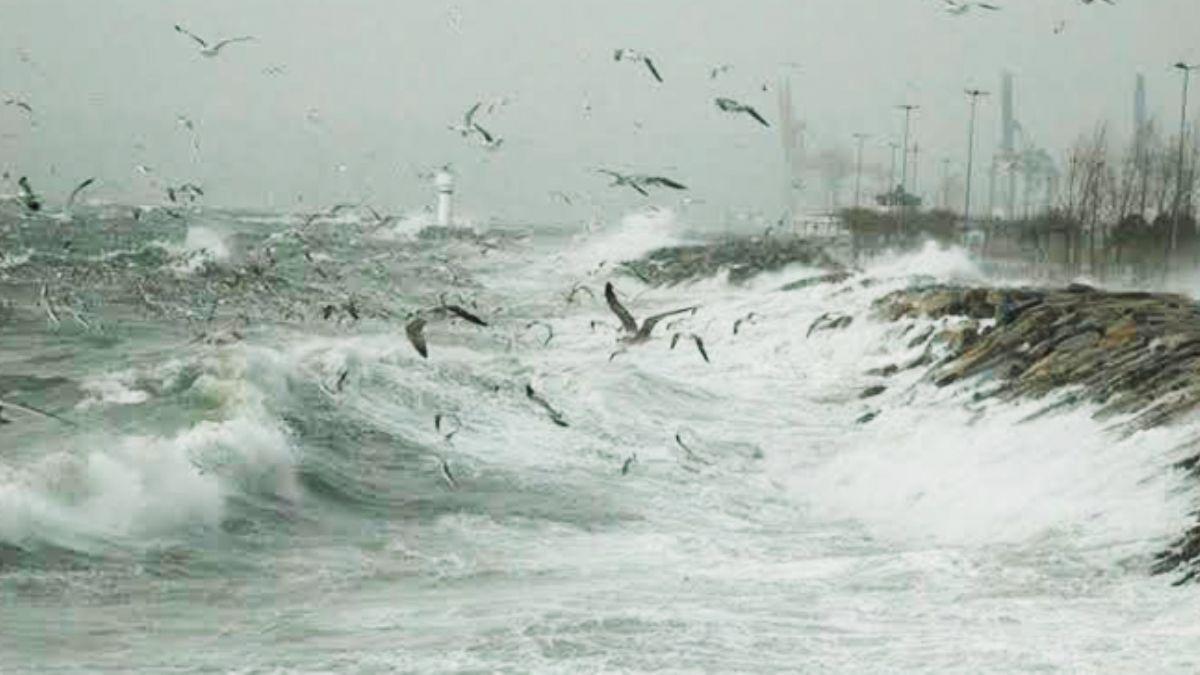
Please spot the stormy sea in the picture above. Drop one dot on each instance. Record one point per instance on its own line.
(222, 452)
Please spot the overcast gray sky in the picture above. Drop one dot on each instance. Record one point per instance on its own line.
(383, 78)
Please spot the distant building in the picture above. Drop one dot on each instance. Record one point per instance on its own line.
(818, 225)
(898, 197)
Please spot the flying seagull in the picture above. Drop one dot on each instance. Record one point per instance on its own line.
(210, 50)
(748, 318)
(628, 464)
(636, 334)
(576, 289)
(20, 104)
(561, 196)
(696, 338)
(380, 219)
(468, 124)
(731, 106)
(415, 329)
(188, 124)
(34, 411)
(555, 416)
(447, 476)
(188, 191)
(719, 70)
(28, 198)
(633, 55)
(440, 420)
(470, 127)
(78, 188)
(960, 7)
(688, 451)
(641, 182)
(490, 141)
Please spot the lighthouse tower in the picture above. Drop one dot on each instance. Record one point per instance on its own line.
(444, 181)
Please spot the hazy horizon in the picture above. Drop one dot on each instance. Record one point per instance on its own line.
(372, 87)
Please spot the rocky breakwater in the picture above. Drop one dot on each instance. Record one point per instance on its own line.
(742, 258)
(1133, 354)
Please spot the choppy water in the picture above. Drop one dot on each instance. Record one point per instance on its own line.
(222, 505)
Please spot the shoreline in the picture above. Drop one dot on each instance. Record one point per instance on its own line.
(1134, 354)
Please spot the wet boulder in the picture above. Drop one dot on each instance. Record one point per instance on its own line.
(1133, 354)
(872, 391)
(740, 257)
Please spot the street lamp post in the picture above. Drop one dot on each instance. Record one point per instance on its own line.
(907, 108)
(1187, 71)
(858, 171)
(892, 170)
(916, 169)
(974, 94)
(945, 201)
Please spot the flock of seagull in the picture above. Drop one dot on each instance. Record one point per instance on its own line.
(631, 332)
(470, 128)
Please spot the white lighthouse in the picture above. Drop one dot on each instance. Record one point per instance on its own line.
(444, 181)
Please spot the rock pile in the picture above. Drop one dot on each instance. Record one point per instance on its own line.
(743, 257)
(1132, 353)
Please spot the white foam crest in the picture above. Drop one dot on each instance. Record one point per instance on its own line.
(269, 218)
(930, 475)
(15, 259)
(201, 239)
(928, 470)
(949, 264)
(112, 389)
(139, 486)
(407, 226)
(932, 469)
(635, 235)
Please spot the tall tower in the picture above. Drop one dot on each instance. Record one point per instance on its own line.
(1006, 112)
(791, 133)
(1141, 133)
(444, 181)
(1139, 106)
(1008, 146)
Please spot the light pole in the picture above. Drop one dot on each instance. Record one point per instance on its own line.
(974, 94)
(945, 183)
(904, 166)
(858, 170)
(892, 171)
(1187, 71)
(907, 108)
(916, 166)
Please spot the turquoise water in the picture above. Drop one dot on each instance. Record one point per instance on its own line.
(242, 484)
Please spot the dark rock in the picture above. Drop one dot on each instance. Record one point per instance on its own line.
(873, 390)
(742, 258)
(921, 337)
(832, 278)
(885, 371)
(829, 321)
(1135, 354)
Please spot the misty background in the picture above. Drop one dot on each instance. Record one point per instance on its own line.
(351, 100)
